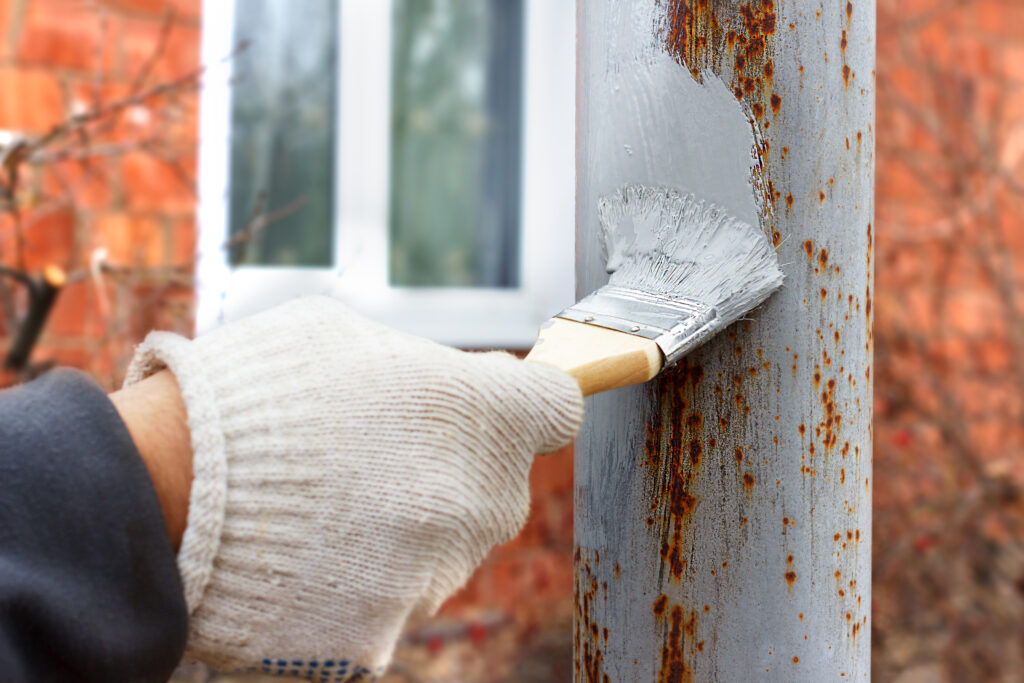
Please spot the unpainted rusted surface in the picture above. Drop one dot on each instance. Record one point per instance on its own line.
(729, 501)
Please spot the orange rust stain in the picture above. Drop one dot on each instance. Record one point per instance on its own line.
(842, 475)
(732, 40)
(846, 75)
(790, 577)
(823, 258)
(809, 248)
(748, 481)
(739, 454)
(789, 200)
(707, 608)
(801, 616)
(617, 570)
(802, 429)
(673, 667)
(588, 658)
(695, 451)
(821, 196)
(700, 646)
(849, 11)
(660, 604)
(723, 423)
(776, 103)
(674, 451)
(796, 660)
(824, 292)
(843, 43)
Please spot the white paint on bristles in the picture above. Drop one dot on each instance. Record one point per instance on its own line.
(662, 242)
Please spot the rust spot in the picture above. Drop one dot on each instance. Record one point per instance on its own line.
(842, 475)
(846, 75)
(821, 196)
(723, 423)
(700, 646)
(617, 570)
(849, 11)
(790, 577)
(789, 200)
(660, 604)
(776, 102)
(748, 481)
(800, 616)
(796, 660)
(785, 521)
(707, 608)
(758, 109)
(843, 43)
(847, 144)
(802, 429)
(824, 292)
(695, 451)
(809, 248)
(739, 454)
(823, 258)
(769, 69)
(673, 669)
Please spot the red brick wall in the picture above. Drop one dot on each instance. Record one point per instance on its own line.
(133, 196)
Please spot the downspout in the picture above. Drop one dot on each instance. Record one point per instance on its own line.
(723, 512)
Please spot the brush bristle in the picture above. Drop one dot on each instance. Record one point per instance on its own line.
(674, 245)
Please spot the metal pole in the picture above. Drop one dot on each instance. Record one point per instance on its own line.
(723, 512)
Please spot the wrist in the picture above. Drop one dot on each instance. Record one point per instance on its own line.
(155, 415)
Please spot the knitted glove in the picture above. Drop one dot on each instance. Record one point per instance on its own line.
(346, 476)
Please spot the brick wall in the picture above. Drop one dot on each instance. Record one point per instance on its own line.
(127, 188)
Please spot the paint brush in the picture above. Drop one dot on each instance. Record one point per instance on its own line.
(682, 269)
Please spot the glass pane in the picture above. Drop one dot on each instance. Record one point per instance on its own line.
(282, 132)
(455, 164)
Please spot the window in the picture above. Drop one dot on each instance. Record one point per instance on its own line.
(416, 157)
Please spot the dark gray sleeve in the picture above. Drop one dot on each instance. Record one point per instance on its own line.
(89, 590)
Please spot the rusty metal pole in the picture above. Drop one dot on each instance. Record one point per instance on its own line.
(723, 512)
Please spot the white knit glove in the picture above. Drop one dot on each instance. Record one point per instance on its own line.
(346, 476)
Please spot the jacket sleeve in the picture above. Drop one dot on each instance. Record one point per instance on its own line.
(89, 589)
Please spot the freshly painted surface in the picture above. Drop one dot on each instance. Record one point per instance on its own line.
(723, 516)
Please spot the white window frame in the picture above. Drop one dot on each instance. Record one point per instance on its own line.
(468, 317)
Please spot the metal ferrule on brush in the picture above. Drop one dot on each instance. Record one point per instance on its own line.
(676, 325)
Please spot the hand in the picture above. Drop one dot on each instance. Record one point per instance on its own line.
(346, 476)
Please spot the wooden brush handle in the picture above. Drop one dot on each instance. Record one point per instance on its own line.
(600, 359)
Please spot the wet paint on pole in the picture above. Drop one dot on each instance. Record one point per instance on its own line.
(723, 512)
